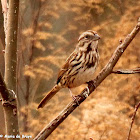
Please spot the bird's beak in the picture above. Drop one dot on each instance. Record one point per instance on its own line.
(96, 37)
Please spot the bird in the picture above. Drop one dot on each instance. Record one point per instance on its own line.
(79, 67)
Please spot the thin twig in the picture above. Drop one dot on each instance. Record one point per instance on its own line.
(107, 70)
(133, 118)
(102, 134)
(133, 71)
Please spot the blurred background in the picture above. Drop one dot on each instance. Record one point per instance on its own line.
(48, 33)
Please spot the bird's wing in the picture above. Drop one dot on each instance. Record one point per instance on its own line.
(66, 66)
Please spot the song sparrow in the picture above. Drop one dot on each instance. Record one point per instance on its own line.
(80, 66)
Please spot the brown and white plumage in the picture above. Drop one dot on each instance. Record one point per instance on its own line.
(80, 66)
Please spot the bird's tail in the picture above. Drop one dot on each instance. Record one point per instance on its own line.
(49, 95)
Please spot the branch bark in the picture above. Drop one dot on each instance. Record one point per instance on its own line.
(133, 71)
(2, 40)
(2, 35)
(8, 89)
(107, 70)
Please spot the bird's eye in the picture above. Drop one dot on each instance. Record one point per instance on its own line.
(87, 36)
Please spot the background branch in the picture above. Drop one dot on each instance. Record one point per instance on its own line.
(107, 70)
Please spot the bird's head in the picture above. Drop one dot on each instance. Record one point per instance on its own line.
(88, 38)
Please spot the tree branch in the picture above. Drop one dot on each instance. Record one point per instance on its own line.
(107, 70)
(133, 71)
(2, 35)
(3, 89)
(8, 88)
(133, 118)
